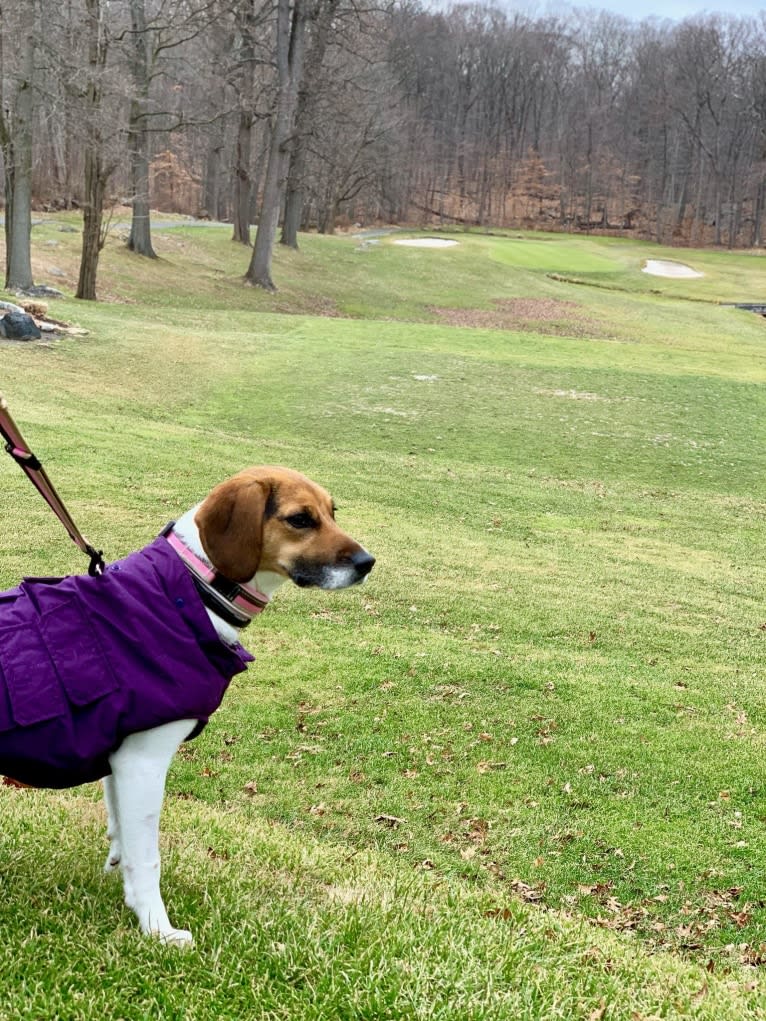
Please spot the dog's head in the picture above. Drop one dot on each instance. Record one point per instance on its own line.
(275, 519)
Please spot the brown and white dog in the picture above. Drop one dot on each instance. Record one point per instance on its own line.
(252, 532)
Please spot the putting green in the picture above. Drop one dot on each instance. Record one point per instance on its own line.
(554, 255)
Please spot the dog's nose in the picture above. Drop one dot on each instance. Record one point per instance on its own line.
(363, 562)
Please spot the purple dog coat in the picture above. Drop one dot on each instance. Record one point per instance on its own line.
(86, 661)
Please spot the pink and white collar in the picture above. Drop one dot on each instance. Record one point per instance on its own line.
(236, 602)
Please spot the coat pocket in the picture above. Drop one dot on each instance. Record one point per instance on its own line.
(49, 662)
(32, 692)
(74, 649)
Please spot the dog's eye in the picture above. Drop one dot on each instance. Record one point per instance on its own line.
(302, 520)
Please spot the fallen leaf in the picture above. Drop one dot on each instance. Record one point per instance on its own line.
(392, 821)
(217, 855)
(504, 913)
(527, 892)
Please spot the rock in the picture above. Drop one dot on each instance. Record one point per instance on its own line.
(40, 291)
(19, 326)
(8, 306)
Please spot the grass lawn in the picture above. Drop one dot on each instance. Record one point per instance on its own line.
(519, 774)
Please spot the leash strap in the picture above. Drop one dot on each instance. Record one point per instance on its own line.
(17, 447)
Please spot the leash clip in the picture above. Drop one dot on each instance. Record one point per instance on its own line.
(97, 565)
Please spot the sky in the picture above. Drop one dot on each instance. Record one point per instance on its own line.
(673, 9)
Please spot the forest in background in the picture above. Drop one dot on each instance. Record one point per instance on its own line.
(324, 113)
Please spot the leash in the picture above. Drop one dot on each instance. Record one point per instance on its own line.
(17, 447)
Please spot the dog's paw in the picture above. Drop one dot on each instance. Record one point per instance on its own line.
(180, 938)
(112, 859)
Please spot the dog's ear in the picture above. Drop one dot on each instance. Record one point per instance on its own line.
(230, 522)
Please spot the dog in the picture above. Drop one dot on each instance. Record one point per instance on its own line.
(105, 676)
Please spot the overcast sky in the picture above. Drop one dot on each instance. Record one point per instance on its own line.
(677, 9)
(639, 9)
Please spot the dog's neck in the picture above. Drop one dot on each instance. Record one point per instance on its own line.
(266, 582)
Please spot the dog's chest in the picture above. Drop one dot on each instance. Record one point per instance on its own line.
(86, 661)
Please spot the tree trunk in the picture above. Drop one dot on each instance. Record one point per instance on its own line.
(211, 193)
(242, 182)
(760, 201)
(140, 240)
(259, 270)
(290, 48)
(328, 214)
(293, 217)
(304, 118)
(16, 140)
(93, 212)
(96, 175)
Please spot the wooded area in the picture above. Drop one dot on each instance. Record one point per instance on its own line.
(325, 113)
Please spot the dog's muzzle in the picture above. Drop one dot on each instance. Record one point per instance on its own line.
(349, 571)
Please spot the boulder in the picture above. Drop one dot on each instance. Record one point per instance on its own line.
(19, 326)
(8, 306)
(39, 291)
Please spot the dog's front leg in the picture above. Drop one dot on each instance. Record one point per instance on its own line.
(112, 826)
(134, 801)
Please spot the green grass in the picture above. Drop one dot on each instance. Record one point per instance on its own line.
(553, 679)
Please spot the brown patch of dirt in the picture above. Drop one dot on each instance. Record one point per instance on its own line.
(313, 305)
(550, 316)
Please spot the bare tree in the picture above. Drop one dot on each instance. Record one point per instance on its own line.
(331, 109)
(16, 114)
(321, 14)
(140, 240)
(250, 17)
(98, 168)
(290, 47)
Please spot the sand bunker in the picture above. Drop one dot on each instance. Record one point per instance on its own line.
(664, 268)
(427, 242)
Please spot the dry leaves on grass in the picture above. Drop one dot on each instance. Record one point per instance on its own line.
(715, 909)
(391, 821)
(527, 892)
(540, 315)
